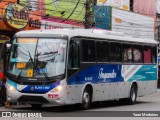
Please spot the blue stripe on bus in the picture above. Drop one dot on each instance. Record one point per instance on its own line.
(112, 73)
(39, 88)
(35, 88)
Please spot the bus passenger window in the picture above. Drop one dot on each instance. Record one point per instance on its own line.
(88, 51)
(102, 51)
(137, 54)
(74, 56)
(147, 54)
(127, 53)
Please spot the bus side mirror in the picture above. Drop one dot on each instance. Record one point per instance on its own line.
(6, 50)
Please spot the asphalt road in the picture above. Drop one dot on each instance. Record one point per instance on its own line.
(147, 107)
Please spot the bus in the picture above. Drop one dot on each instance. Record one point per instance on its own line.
(79, 66)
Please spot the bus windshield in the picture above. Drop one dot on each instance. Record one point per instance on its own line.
(38, 57)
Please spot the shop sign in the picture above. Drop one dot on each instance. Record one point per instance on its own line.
(16, 16)
(46, 24)
(35, 23)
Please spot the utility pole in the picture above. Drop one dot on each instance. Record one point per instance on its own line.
(89, 13)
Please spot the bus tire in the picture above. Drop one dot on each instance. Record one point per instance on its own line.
(86, 99)
(133, 95)
(36, 106)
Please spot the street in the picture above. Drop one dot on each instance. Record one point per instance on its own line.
(149, 103)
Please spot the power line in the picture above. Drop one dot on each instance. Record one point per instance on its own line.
(79, 13)
(71, 12)
(64, 11)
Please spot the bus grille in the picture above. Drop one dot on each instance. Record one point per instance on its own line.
(32, 99)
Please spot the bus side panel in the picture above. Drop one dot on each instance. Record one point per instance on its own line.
(113, 81)
(140, 88)
(144, 75)
(109, 91)
(102, 77)
(73, 93)
(121, 89)
(149, 87)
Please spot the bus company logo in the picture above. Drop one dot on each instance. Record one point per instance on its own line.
(104, 76)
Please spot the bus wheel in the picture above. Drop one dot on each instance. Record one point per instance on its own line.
(133, 95)
(36, 106)
(86, 99)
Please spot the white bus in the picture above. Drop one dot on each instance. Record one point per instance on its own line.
(65, 66)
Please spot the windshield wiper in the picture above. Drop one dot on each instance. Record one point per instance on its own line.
(46, 76)
(30, 59)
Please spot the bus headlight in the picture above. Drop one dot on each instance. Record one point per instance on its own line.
(11, 88)
(57, 89)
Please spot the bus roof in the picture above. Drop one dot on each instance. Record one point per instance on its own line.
(91, 33)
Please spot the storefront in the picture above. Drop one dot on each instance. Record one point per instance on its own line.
(14, 18)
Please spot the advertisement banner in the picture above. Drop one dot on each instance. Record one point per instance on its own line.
(61, 10)
(102, 16)
(46, 24)
(3, 25)
(68, 9)
(15, 17)
(147, 7)
(132, 24)
(123, 4)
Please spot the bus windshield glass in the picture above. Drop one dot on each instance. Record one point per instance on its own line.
(38, 57)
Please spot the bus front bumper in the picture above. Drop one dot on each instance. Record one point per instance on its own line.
(30, 98)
